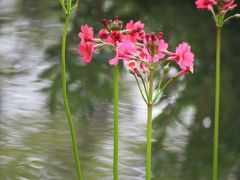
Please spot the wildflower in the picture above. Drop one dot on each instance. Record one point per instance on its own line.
(184, 57)
(86, 34)
(154, 47)
(86, 50)
(125, 51)
(202, 4)
(135, 30)
(103, 34)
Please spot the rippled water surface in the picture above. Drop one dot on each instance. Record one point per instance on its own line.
(34, 136)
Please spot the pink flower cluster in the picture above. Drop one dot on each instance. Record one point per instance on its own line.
(223, 4)
(134, 46)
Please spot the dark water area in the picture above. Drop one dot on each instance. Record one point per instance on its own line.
(35, 141)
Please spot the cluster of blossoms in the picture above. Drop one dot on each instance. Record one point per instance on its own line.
(134, 46)
(219, 9)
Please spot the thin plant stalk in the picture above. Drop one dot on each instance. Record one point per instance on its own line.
(115, 148)
(149, 124)
(217, 102)
(64, 92)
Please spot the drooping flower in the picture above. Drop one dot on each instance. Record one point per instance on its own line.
(86, 50)
(124, 50)
(184, 57)
(86, 34)
(134, 30)
(202, 4)
(132, 67)
(143, 66)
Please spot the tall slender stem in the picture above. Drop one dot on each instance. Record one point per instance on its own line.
(64, 92)
(115, 158)
(217, 100)
(149, 124)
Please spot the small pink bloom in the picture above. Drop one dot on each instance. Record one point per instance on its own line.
(103, 34)
(230, 5)
(161, 47)
(115, 36)
(86, 50)
(135, 30)
(125, 50)
(184, 56)
(86, 34)
(202, 4)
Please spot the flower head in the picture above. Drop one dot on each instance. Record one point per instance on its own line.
(154, 47)
(86, 50)
(184, 57)
(134, 30)
(86, 34)
(202, 4)
(103, 34)
(124, 50)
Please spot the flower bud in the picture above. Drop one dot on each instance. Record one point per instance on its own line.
(166, 68)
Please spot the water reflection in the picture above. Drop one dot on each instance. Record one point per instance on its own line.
(35, 141)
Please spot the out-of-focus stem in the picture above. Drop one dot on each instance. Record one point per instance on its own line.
(217, 101)
(64, 92)
(115, 153)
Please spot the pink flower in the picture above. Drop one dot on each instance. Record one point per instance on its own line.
(124, 50)
(135, 29)
(114, 37)
(230, 5)
(184, 57)
(86, 34)
(202, 4)
(86, 50)
(161, 47)
(103, 34)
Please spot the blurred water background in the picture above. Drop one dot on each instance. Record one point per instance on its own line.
(34, 135)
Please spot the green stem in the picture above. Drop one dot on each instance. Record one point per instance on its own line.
(115, 158)
(149, 124)
(140, 89)
(217, 100)
(64, 92)
(144, 85)
(159, 88)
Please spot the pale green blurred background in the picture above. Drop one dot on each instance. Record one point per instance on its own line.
(34, 135)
